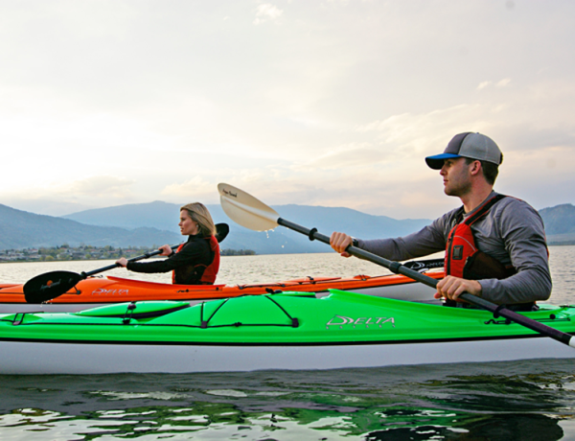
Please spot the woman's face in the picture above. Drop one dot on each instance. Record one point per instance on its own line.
(187, 226)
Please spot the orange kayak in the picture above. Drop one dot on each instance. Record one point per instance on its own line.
(99, 291)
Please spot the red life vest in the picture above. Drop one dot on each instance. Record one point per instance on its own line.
(211, 270)
(463, 259)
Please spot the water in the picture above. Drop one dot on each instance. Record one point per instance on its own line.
(529, 400)
(233, 269)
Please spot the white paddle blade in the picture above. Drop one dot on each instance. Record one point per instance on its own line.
(246, 210)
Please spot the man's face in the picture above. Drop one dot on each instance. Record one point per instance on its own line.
(456, 177)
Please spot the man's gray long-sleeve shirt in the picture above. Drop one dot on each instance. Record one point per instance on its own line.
(512, 232)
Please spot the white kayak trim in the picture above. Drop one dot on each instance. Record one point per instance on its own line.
(39, 358)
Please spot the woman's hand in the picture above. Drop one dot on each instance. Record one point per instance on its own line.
(166, 250)
(122, 262)
(339, 242)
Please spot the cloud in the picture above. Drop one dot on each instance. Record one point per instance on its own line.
(352, 155)
(194, 189)
(408, 135)
(100, 186)
(267, 12)
(41, 205)
(337, 106)
(65, 196)
(501, 83)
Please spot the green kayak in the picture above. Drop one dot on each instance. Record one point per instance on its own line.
(276, 331)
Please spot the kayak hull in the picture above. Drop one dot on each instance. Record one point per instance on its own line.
(33, 358)
(279, 331)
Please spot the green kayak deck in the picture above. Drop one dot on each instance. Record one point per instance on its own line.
(288, 330)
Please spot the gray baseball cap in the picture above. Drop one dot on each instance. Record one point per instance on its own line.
(468, 145)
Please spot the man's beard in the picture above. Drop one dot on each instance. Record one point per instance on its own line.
(460, 190)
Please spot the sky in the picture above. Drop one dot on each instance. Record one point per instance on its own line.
(330, 103)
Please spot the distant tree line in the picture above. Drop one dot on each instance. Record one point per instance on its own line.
(566, 242)
(88, 252)
(237, 252)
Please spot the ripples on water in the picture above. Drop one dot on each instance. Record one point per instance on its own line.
(530, 400)
(496, 401)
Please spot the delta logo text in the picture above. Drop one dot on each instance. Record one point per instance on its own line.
(110, 292)
(341, 321)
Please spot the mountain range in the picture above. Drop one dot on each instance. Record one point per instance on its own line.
(156, 223)
(21, 229)
(165, 216)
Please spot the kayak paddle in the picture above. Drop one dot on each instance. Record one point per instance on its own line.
(251, 213)
(50, 285)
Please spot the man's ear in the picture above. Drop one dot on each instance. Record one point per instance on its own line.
(475, 168)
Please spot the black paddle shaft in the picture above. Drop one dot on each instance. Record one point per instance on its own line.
(50, 285)
(398, 268)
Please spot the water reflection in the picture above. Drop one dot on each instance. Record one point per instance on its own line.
(495, 401)
(227, 421)
(510, 427)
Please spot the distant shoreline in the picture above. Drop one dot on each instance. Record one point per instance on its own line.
(65, 253)
(225, 253)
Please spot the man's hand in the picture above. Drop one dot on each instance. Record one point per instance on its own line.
(339, 242)
(122, 262)
(452, 287)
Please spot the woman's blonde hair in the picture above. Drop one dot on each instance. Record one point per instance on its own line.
(200, 215)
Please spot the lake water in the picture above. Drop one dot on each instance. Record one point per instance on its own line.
(529, 400)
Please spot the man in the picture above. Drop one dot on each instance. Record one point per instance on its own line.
(495, 244)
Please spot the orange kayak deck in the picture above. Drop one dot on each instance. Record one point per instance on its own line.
(115, 289)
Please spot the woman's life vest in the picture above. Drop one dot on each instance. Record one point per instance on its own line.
(463, 259)
(208, 276)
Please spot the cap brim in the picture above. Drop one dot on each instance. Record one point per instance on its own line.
(436, 162)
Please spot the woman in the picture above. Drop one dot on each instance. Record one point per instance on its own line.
(197, 261)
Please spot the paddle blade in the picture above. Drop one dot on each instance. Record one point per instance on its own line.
(246, 210)
(50, 285)
(222, 231)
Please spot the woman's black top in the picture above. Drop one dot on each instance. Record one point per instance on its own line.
(188, 264)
